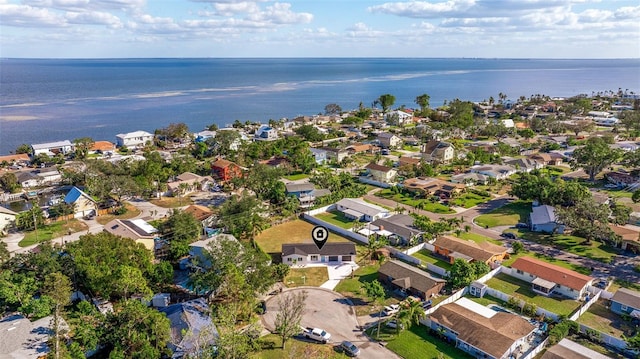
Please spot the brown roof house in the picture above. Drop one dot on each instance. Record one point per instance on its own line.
(137, 229)
(481, 331)
(452, 248)
(567, 349)
(630, 236)
(203, 214)
(409, 279)
(301, 254)
(547, 279)
(433, 187)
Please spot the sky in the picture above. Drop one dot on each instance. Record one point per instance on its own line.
(320, 28)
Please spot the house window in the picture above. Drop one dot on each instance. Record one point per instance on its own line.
(314, 258)
(519, 271)
(531, 275)
(289, 259)
(623, 307)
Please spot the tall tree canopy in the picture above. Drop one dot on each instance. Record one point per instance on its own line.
(385, 101)
(595, 156)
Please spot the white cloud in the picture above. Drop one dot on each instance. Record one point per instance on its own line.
(280, 13)
(94, 18)
(29, 16)
(232, 8)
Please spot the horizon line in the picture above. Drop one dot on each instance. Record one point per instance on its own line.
(315, 57)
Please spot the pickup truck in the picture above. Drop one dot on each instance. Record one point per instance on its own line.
(316, 334)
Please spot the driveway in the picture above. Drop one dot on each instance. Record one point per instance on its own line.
(332, 312)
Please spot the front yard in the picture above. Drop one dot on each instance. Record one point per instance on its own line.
(478, 238)
(295, 349)
(172, 202)
(522, 290)
(353, 289)
(132, 212)
(468, 200)
(507, 215)
(51, 231)
(415, 202)
(311, 276)
(600, 318)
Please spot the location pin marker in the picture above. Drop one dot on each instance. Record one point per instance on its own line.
(319, 234)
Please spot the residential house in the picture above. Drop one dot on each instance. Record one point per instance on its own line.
(188, 183)
(20, 159)
(191, 328)
(103, 147)
(225, 170)
(28, 179)
(634, 218)
(452, 248)
(626, 302)
(83, 204)
(567, 349)
(548, 279)
(203, 136)
(409, 279)
(398, 229)
(43, 177)
(524, 164)
(389, 140)
(398, 116)
(137, 229)
(470, 179)
(426, 186)
(306, 193)
(319, 155)
(411, 140)
(360, 210)
(408, 161)
(547, 159)
(620, 179)
(543, 219)
(266, 133)
(198, 249)
(7, 219)
(133, 139)
(360, 148)
(308, 253)
(481, 331)
(23, 338)
(52, 148)
(381, 173)
(203, 214)
(436, 151)
(498, 172)
(335, 154)
(630, 236)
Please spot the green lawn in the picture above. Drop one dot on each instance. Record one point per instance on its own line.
(572, 244)
(297, 231)
(312, 276)
(468, 200)
(560, 263)
(415, 202)
(485, 300)
(336, 218)
(478, 238)
(522, 290)
(507, 215)
(617, 193)
(352, 288)
(50, 231)
(417, 343)
(296, 177)
(600, 318)
(295, 349)
(425, 256)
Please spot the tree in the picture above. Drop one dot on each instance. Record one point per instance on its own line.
(9, 182)
(181, 228)
(31, 219)
(309, 133)
(587, 219)
(224, 143)
(24, 148)
(633, 343)
(635, 197)
(526, 133)
(517, 247)
(83, 145)
(290, 309)
(385, 101)
(58, 287)
(376, 293)
(580, 126)
(243, 216)
(423, 102)
(4, 252)
(137, 331)
(595, 156)
(461, 114)
(631, 159)
(461, 274)
(332, 109)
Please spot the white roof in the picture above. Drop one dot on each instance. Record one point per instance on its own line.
(142, 224)
(543, 214)
(134, 134)
(476, 307)
(361, 206)
(44, 146)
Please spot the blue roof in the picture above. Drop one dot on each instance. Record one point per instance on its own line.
(74, 194)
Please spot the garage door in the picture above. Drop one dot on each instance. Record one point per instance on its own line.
(346, 258)
(333, 258)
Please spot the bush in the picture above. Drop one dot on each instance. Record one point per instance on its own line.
(529, 309)
(120, 210)
(561, 330)
(480, 193)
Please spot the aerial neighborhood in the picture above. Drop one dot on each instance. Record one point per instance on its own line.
(507, 228)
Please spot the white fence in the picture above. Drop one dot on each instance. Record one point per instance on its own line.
(455, 296)
(405, 257)
(604, 338)
(414, 249)
(341, 231)
(490, 275)
(585, 306)
(505, 298)
(328, 208)
(435, 269)
(373, 182)
(532, 354)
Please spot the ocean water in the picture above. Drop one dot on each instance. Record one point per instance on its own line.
(44, 100)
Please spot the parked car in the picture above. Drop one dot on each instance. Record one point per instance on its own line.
(509, 235)
(349, 349)
(391, 309)
(394, 324)
(426, 304)
(522, 225)
(316, 334)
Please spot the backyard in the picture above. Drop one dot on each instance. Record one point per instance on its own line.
(522, 290)
(549, 259)
(412, 201)
(51, 231)
(426, 256)
(507, 215)
(336, 218)
(600, 318)
(297, 231)
(416, 342)
(469, 199)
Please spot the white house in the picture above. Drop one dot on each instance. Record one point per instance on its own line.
(498, 172)
(7, 218)
(266, 133)
(389, 140)
(543, 219)
(82, 203)
(381, 173)
(360, 210)
(309, 253)
(546, 278)
(437, 151)
(133, 139)
(52, 148)
(401, 116)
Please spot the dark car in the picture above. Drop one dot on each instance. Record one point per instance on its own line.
(349, 348)
(509, 235)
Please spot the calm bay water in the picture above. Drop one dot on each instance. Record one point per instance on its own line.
(51, 100)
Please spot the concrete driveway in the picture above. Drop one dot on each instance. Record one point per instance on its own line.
(332, 312)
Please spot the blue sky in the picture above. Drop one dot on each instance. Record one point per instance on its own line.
(320, 28)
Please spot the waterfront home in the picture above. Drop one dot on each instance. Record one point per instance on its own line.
(7, 219)
(567, 349)
(21, 159)
(543, 219)
(481, 331)
(359, 210)
(225, 170)
(409, 279)
(398, 229)
(547, 279)
(626, 302)
(137, 229)
(83, 204)
(436, 151)
(309, 253)
(133, 139)
(380, 173)
(192, 329)
(203, 136)
(452, 248)
(398, 116)
(52, 148)
(266, 133)
(104, 147)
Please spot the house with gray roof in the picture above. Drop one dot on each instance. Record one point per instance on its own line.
(22, 338)
(52, 148)
(409, 279)
(626, 301)
(306, 193)
(398, 229)
(543, 219)
(191, 327)
(309, 253)
(360, 210)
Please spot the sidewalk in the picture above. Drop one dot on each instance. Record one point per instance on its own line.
(14, 238)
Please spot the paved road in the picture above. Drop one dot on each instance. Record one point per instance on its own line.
(332, 312)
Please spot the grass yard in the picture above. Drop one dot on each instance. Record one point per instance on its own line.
(416, 342)
(296, 349)
(468, 200)
(560, 263)
(415, 202)
(296, 177)
(507, 215)
(336, 218)
(522, 290)
(426, 256)
(51, 231)
(619, 283)
(132, 212)
(297, 231)
(485, 300)
(353, 289)
(312, 276)
(478, 238)
(600, 318)
(172, 202)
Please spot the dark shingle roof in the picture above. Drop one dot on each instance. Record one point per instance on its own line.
(329, 249)
(406, 275)
(628, 297)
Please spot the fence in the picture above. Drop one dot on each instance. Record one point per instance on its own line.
(403, 256)
(374, 182)
(455, 296)
(505, 298)
(313, 212)
(435, 269)
(585, 306)
(603, 337)
(490, 275)
(532, 354)
(341, 231)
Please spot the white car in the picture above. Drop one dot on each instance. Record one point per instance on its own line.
(391, 309)
(394, 324)
(316, 334)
